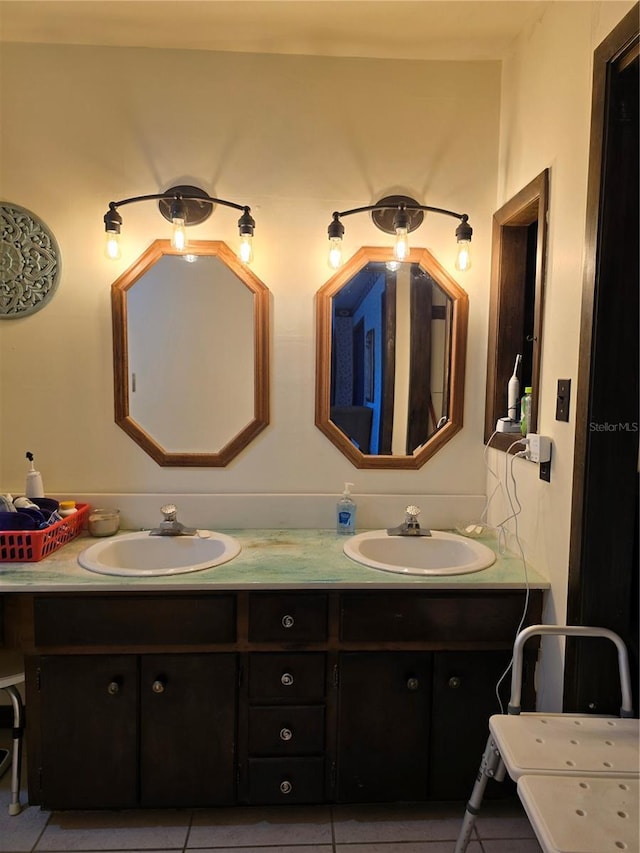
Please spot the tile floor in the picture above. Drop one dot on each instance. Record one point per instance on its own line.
(425, 828)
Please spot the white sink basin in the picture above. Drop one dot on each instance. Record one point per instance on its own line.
(439, 554)
(141, 555)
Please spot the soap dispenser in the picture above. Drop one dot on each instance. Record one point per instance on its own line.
(346, 513)
(33, 486)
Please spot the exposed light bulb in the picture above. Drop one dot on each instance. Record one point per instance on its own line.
(401, 245)
(179, 236)
(246, 248)
(463, 258)
(335, 252)
(112, 245)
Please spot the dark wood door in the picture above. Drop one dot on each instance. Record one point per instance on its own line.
(383, 726)
(187, 729)
(464, 697)
(604, 561)
(88, 731)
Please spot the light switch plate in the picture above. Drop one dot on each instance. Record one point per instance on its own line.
(562, 399)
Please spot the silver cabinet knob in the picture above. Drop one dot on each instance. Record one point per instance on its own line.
(454, 682)
(158, 686)
(286, 679)
(413, 684)
(286, 787)
(288, 621)
(286, 734)
(113, 688)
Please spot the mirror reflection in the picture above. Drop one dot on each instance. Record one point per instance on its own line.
(190, 358)
(391, 341)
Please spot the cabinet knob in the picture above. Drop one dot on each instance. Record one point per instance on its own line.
(413, 684)
(454, 682)
(287, 679)
(158, 686)
(113, 688)
(288, 621)
(286, 787)
(286, 734)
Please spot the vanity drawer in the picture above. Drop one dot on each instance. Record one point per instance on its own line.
(480, 617)
(286, 780)
(72, 620)
(287, 677)
(287, 617)
(286, 730)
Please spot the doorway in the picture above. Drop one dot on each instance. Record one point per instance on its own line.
(603, 560)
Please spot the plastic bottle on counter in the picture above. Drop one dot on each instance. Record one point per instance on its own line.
(346, 513)
(33, 486)
(525, 411)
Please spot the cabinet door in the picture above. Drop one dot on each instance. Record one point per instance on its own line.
(187, 729)
(88, 731)
(464, 698)
(383, 726)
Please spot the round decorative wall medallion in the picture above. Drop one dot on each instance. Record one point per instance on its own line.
(29, 262)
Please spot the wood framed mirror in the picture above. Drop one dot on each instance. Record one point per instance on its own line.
(390, 358)
(190, 354)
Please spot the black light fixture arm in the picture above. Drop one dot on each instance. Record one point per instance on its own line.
(183, 206)
(114, 205)
(423, 207)
(399, 215)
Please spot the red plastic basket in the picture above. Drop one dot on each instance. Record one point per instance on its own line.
(29, 546)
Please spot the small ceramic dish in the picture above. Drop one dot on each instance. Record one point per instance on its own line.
(104, 522)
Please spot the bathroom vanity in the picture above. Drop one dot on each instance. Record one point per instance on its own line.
(291, 675)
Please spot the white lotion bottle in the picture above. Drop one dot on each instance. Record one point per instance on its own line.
(346, 513)
(33, 487)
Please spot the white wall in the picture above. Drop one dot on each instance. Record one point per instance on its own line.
(294, 137)
(545, 123)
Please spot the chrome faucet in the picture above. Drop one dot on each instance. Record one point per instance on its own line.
(170, 526)
(411, 526)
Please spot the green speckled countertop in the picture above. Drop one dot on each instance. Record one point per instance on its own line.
(270, 559)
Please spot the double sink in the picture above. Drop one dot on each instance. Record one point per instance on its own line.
(143, 555)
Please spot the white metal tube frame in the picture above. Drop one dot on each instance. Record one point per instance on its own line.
(626, 709)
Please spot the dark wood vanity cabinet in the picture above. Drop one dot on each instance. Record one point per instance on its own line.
(384, 701)
(120, 719)
(286, 699)
(265, 697)
(136, 730)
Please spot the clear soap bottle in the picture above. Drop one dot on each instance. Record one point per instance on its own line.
(346, 513)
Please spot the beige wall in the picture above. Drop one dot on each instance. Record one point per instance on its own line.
(544, 123)
(295, 137)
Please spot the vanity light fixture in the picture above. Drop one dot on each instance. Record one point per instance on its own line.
(400, 215)
(182, 206)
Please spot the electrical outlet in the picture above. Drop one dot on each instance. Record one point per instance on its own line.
(545, 471)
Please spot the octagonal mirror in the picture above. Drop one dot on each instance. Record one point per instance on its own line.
(391, 348)
(190, 354)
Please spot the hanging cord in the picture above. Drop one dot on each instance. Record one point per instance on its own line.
(516, 509)
(483, 515)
